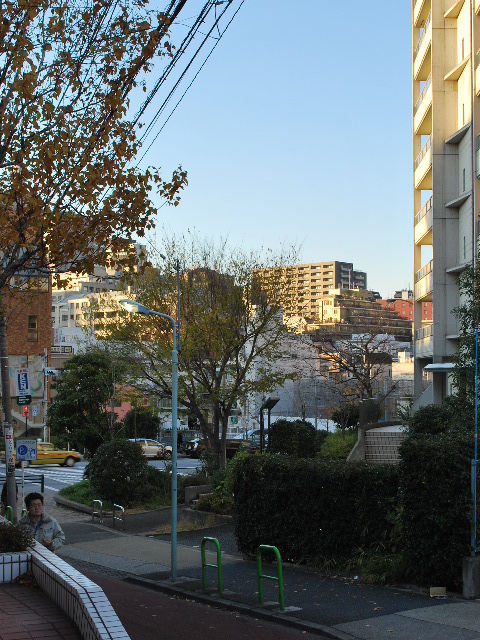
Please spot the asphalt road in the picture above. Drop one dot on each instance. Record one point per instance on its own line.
(57, 477)
(150, 614)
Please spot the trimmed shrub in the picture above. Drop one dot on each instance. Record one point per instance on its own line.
(337, 447)
(432, 420)
(312, 510)
(292, 437)
(118, 472)
(436, 507)
(15, 538)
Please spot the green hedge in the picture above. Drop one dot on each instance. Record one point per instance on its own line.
(436, 508)
(312, 509)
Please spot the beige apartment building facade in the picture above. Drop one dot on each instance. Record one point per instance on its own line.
(446, 100)
(310, 282)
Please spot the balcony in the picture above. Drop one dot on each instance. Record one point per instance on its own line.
(423, 166)
(421, 10)
(423, 224)
(424, 283)
(422, 120)
(424, 342)
(422, 56)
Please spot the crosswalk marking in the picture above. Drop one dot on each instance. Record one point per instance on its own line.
(65, 476)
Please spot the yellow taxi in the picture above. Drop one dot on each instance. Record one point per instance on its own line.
(48, 454)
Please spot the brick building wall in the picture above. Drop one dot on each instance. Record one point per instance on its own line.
(28, 336)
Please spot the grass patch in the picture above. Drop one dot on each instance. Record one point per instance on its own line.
(79, 492)
(156, 492)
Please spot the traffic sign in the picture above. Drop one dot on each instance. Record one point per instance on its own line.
(23, 382)
(26, 450)
(24, 399)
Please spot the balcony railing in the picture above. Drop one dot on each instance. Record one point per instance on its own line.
(423, 31)
(424, 332)
(426, 86)
(423, 152)
(424, 271)
(424, 210)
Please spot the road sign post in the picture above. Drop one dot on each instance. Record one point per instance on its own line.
(26, 450)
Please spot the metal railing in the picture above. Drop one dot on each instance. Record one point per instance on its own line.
(424, 332)
(28, 478)
(423, 31)
(97, 511)
(121, 517)
(423, 152)
(424, 210)
(217, 566)
(278, 578)
(424, 271)
(423, 93)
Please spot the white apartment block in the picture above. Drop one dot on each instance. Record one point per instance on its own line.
(446, 101)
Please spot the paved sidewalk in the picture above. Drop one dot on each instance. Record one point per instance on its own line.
(27, 612)
(336, 607)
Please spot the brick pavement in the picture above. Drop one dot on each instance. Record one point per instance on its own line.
(26, 612)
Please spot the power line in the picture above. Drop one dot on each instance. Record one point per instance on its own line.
(157, 115)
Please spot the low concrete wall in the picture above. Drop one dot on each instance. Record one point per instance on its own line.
(192, 493)
(81, 599)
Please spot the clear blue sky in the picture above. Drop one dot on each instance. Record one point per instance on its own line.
(298, 129)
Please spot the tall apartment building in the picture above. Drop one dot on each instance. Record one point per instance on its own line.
(446, 90)
(313, 281)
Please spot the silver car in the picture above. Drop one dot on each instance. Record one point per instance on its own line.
(154, 449)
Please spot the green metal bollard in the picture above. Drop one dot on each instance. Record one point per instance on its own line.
(217, 566)
(9, 514)
(278, 578)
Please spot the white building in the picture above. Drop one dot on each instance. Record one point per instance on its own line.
(446, 90)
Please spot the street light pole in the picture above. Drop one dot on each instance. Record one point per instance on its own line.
(136, 307)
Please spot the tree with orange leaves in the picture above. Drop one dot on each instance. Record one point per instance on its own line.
(70, 193)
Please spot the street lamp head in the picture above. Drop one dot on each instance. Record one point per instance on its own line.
(135, 307)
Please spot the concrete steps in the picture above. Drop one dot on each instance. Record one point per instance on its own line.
(382, 447)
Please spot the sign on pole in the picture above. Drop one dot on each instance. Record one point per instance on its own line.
(26, 450)
(23, 386)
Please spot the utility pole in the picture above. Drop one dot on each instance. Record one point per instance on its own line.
(7, 414)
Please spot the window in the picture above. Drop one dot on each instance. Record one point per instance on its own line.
(32, 332)
(464, 179)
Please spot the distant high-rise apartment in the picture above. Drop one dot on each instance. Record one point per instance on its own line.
(313, 281)
(446, 102)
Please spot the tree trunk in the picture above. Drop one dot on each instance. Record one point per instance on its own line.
(222, 458)
(7, 413)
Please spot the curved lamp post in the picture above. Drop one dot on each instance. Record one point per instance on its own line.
(135, 307)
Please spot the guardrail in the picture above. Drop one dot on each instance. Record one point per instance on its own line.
(28, 478)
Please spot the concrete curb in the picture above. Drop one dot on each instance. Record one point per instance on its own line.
(255, 612)
(72, 505)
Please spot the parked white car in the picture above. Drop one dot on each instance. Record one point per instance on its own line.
(154, 449)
